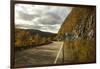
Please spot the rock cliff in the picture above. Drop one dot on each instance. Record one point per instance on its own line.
(78, 33)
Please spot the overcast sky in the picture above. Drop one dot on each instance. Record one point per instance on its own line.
(41, 17)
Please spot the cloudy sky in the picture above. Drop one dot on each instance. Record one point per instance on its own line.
(41, 17)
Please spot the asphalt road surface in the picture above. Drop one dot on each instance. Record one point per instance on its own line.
(41, 55)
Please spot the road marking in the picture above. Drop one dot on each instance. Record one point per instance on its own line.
(58, 53)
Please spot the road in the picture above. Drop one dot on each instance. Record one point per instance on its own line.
(41, 55)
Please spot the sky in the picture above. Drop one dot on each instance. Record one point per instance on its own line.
(41, 17)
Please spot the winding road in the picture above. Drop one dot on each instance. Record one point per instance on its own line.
(41, 55)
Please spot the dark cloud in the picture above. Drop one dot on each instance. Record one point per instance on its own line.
(26, 16)
(48, 20)
(53, 15)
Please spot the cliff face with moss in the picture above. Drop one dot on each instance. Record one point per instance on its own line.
(78, 33)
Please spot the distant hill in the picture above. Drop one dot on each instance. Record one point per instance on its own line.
(34, 32)
(32, 37)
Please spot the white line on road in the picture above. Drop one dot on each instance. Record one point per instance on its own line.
(58, 53)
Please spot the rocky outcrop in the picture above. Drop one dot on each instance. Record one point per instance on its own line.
(78, 32)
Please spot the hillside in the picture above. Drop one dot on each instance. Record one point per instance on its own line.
(31, 37)
(78, 34)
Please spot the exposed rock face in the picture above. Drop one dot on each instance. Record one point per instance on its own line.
(78, 32)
